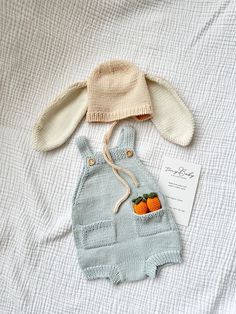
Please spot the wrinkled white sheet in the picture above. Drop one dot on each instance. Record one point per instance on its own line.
(47, 45)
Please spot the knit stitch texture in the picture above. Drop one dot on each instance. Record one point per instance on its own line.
(117, 89)
(123, 246)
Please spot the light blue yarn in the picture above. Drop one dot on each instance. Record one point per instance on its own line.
(122, 246)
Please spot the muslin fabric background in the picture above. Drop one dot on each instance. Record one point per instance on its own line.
(47, 45)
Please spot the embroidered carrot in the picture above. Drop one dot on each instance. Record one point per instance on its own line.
(140, 206)
(153, 202)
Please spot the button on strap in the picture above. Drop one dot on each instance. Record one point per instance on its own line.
(91, 161)
(129, 153)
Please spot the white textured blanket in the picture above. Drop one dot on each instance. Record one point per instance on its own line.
(47, 45)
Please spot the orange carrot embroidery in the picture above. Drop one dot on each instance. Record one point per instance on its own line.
(140, 206)
(153, 202)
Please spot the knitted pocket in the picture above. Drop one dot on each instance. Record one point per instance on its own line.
(152, 223)
(98, 234)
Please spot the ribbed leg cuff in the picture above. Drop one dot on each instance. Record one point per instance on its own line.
(104, 271)
(161, 259)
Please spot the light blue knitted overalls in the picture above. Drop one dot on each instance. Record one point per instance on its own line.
(122, 246)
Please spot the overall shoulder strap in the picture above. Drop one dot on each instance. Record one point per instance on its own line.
(127, 137)
(84, 147)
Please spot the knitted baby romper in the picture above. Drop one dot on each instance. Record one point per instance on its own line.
(122, 246)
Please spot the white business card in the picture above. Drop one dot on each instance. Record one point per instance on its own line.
(178, 182)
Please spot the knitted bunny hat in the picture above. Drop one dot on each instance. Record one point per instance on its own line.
(115, 90)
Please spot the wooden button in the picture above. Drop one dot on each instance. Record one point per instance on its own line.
(129, 153)
(91, 161)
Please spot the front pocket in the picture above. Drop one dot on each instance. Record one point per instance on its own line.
(98, 234)
(152, 223)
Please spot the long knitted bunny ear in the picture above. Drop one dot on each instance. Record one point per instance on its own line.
(59, 120)
(170, 115)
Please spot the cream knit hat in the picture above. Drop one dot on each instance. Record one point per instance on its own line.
(115, 90)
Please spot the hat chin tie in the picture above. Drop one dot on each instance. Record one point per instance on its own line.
(116, 169)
